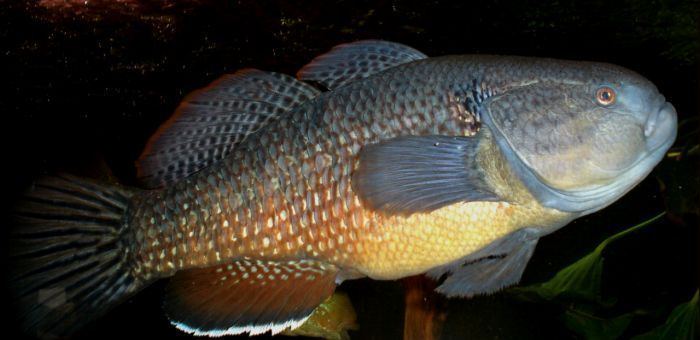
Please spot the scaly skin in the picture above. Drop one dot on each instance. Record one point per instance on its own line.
(286, 192)
(275, 224)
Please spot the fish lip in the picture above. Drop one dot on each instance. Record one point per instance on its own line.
(650, 124)
(660, 127)
(661, 138)
(659, 133)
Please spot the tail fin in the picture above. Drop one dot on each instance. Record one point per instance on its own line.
(70, 254)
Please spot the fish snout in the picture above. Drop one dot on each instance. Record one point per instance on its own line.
(660, 127)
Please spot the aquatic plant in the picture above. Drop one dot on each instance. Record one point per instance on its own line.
(577, 287)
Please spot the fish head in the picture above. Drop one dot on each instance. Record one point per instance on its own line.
(584, 134)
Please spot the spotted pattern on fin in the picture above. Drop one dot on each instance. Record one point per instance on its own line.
(348, 62)
(248, 296)
(210, 122)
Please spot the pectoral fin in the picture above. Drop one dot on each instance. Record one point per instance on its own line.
(413, 174)
(248, 296)
(493, 268)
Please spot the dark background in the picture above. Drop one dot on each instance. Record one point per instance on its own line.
(83, 86)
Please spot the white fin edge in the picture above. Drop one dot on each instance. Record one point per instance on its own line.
(273, 328)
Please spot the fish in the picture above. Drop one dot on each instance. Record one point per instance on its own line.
(263, 192)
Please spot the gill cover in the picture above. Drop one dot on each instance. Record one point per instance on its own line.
(571, 153)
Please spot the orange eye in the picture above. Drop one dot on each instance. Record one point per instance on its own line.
(605, 96)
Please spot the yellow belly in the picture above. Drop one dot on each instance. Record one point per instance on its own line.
(332, 225)
(403, 246)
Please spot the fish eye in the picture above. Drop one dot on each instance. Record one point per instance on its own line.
(605, 95)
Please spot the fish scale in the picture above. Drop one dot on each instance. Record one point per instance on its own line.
(266, 192)
(291, 211)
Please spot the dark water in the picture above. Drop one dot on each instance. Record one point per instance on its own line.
(84, 86)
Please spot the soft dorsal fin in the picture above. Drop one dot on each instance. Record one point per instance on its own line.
(210, 122)
(348, 62)
(415, 174)
(248, 296)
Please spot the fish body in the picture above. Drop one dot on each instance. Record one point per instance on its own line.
(268, 192)
(288, 193)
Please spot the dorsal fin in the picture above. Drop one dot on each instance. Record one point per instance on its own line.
(348, 62)
(248, 296)
(211, 121)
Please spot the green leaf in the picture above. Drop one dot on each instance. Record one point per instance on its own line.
(330, 320)
(593, 327)
(579, 280)
(681, 324)
(582, 279)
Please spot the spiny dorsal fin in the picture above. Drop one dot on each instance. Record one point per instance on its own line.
(248, 296)
(348, 62)
(210, 122)
(415, 174)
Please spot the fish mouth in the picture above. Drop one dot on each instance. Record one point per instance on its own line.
(659, 134)
(660, 128)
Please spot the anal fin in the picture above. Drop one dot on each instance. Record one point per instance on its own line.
(498, 265)
(248, 296)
